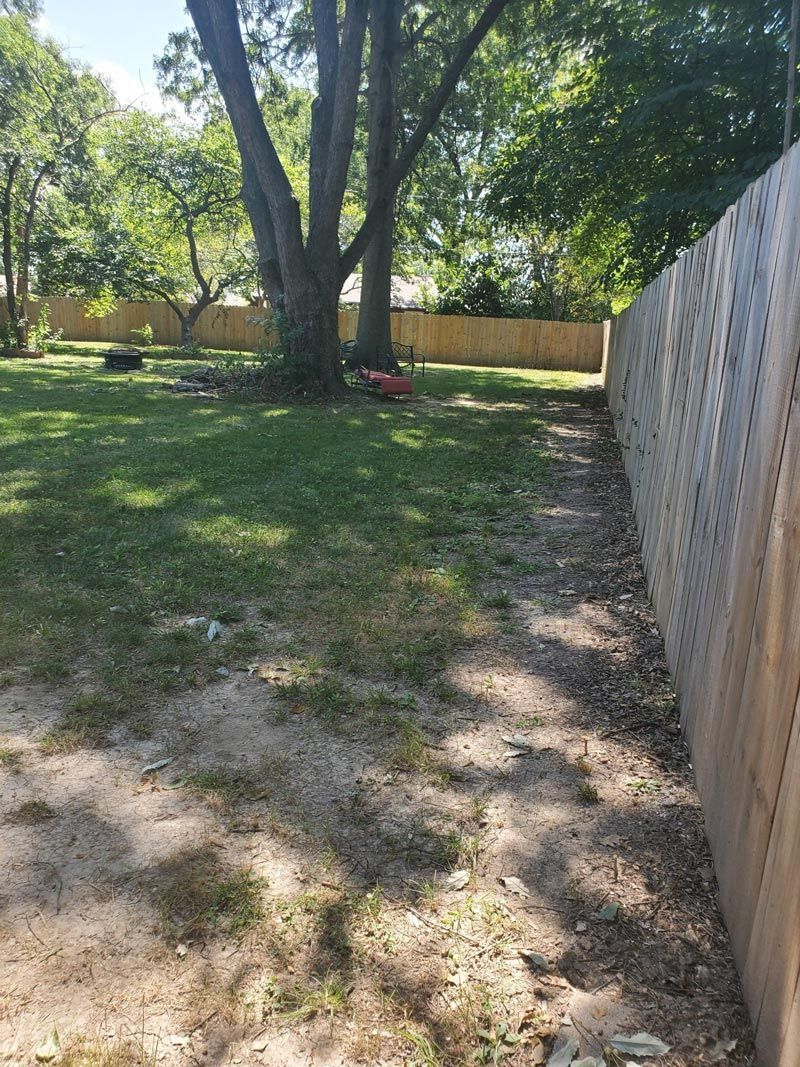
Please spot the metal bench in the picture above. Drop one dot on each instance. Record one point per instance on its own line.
(399, 359)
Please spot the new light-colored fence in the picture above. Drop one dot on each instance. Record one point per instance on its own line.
(702, 380)
(442, 338)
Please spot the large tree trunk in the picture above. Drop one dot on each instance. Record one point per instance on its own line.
(374, 317)
(314, 271)
(187, 331)
(309, 275)
(311, 337)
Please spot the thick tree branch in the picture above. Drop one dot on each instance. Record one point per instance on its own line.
(324, 229)
(264, 232)
(8, 261)
(217, 23)
(205, 287)
(326, 40)
(23, 282)
(427, 121)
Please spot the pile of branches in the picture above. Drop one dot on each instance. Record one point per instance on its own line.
(244, 379)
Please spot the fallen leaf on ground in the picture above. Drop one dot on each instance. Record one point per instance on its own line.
(640, 1044)
(609, 913)
(49, 1048)
(457, 880)
(719, 1052)
(158, 765)
(564, 1056)
(514, 885)
(535, 959)
(518, 742)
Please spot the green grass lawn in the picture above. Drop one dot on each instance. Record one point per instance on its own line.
(353, 534)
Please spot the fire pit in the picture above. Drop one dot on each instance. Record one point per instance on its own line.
(123, 359)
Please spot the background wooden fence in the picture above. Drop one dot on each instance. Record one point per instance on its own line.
(443, 338)
(702, 379)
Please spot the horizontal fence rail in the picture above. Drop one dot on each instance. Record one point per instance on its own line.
(701, 374)
(523, 343)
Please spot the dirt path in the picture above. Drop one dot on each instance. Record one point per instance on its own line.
(279, 893)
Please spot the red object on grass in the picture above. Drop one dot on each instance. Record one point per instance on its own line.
(387, 383)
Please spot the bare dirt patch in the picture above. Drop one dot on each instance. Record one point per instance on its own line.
(340, 870)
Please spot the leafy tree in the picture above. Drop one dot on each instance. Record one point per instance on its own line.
(307, 272)
(538, 278)
(656, 117)
(48, 104)
(168, 220)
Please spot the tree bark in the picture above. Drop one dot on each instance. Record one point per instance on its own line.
(269, 270)
(8, 259)
(23, 281)
(374, 317)
(430, 116)
(312, 274)
(309, 280)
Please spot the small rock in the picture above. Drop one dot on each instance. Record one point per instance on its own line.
(581, 927)
(197, 623)
(181, 951)
(514, 885)
(214, 630)
(223, 672)
(118, 609)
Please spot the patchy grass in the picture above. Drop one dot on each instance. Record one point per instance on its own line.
(352, 531)
(116, 1053)
(32, 812)
(327, 996)
(10, 757)
(587, 793)
(200, 895)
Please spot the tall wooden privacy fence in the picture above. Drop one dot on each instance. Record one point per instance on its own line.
(484, 342)
(702, 379)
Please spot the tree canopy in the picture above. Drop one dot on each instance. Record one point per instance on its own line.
(653, 120)
(48, 105)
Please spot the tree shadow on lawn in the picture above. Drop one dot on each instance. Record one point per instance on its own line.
(378, 826)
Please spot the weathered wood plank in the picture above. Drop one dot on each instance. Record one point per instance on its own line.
(702, 373)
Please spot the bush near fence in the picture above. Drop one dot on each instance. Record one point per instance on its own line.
(703, 382)
(524, 343)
